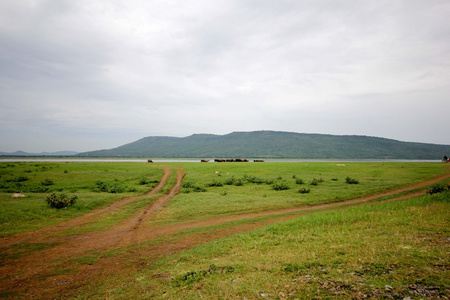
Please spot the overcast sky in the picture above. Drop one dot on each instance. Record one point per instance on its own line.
(89, 75)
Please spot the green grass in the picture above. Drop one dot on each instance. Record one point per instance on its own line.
(74, 178)
(350, 252)
(339, 254)
(255, 193)
(112, 218)
(253, 197)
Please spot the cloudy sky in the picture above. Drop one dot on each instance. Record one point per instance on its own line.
(87, 75)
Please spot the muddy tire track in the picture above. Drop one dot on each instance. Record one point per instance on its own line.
(35, 236)
(41, 263)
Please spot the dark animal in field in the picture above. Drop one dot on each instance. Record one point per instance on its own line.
(241, 160)
(230, 160)
(219, 160)
(205, 160)
(149, 161)
(258, 160)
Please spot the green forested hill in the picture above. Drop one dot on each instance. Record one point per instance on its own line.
(274, 144)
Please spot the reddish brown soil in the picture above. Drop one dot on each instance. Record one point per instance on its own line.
(37, 274)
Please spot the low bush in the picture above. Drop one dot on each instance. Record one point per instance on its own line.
(188, 187)
(215, 183)
(39, 189)
(314, 182)
(279, 186)
(304, 191)
(299, 181)
(253, 179)
(230, 181)
(437, 188)
(145, 181)
(114, 188)
(17, 179)
(351, 180)
(47, 182)
(60, 201)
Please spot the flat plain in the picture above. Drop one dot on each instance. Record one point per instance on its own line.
(305, 230)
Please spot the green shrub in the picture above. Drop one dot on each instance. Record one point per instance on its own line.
(187, 187)
(314, 182)
(437, 188)
(60, 201)
(114, 188)
(215, 183)
(351, 180)
(299, 181)
(304, 191)
(17, 179)
(230, 181)
(279, 186)
(143, 181)
(39, 189)
(238, 182)
(100, 186)
(253, 179)
(47, 182)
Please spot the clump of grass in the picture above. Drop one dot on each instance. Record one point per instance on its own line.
(350, 180)
(145, 181)
(280, 186)
(195, 276)
(304, 191)
(17, 179)
(215, 183)
(438, 188)
(60, 201)
(113, 188)
(299, 181)
(253, 179)
(47, 182)
(188, 187)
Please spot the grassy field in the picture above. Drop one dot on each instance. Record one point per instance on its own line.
(37, 180)
(229, 188)
(226, 235)
(391, 250)
(216, 189)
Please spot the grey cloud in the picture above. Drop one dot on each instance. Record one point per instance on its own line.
(182, 67)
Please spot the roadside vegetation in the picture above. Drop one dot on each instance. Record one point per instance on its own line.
(395, 249)
(216, 189)
(92, 185)
(391, 250)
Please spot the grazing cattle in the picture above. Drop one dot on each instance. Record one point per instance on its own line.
(204, 160)
(230, 160)
(219, 160)
(241, 160)
(17, 195)
(149, 161)
(258, 160)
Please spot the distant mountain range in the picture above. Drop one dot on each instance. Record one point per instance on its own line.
(274, 144)
(21, 153)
